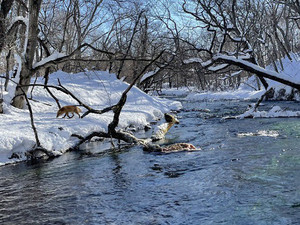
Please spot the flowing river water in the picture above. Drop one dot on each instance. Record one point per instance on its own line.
(248, 172)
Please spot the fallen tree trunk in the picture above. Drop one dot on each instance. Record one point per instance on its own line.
(147, 145)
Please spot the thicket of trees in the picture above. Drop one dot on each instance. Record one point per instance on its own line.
(201, 40)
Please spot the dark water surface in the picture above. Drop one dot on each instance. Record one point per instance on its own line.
(248, 172)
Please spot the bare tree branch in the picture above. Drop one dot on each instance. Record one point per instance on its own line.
(130, 43)
(253, 68)
(67, 57)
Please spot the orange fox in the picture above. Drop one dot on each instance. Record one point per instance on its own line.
(68, 109)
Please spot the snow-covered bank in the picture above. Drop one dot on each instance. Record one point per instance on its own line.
(275, 112)
(239, 94)
(97, 89)
(190, 94)
(176, 92)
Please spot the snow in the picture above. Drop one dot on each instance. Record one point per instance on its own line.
(239, 39)
(11, 90)
(19, 18)
(98, 89)
(261, 40)
(19, 67)
(275, 112)
(295, 17)
(160, 131)
(54, 56)
(193, 60)
(291, 68)
(236, 73)
(206, 63)
(230, 26)
(239, 94)
(217, 67)
(262, 133)
(149, 74)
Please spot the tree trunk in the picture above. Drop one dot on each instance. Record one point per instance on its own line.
(19, 99)
(7, 70)
(4, 10)
(1, 98)
(27, 60)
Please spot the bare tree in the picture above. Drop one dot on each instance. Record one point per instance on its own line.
(234, 35)
(132, 34)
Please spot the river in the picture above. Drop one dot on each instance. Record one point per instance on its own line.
(247, 172)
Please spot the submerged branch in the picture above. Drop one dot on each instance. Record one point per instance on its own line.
(262, 98)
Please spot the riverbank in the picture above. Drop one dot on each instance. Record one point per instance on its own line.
(97, 89)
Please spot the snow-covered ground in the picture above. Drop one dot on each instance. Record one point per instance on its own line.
(96, 89)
